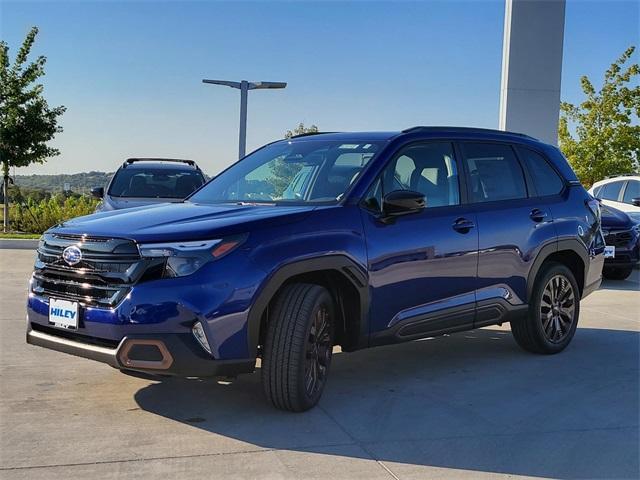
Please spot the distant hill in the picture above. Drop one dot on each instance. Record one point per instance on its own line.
(78, 182)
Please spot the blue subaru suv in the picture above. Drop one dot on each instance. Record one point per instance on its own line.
(349, 239)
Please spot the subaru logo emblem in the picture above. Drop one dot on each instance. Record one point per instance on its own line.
(72, 255)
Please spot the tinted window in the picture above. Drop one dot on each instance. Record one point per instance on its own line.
(545, 178)
(494, 171)
(155, 183)
(611, 191)
(428, 168)
(632, 191)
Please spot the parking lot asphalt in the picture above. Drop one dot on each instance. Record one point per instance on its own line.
(469, 405)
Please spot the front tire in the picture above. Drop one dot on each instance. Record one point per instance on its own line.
(298, 347)
(553, 313)
(617, 273)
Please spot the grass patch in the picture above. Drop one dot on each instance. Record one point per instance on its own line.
(23, 236)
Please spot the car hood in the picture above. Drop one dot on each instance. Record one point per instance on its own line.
(181, 221)
(613, 218)
(117, 203)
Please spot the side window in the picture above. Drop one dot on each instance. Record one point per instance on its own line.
(545, 178)
(495, 173)
(428, 168)
(611, 191)
(632, 191)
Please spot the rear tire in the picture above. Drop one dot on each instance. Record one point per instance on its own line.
(554, 308)
(617, 273)
(298, 346)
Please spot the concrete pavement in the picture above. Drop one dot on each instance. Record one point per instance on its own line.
(470, 405)
(18, 244)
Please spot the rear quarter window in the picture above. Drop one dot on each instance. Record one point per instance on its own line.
(545, 179)
(596, 191)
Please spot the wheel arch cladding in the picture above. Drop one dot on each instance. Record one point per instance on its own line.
(345, 280)
(570, 253)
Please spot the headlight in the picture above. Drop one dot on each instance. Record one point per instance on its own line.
(185, 258)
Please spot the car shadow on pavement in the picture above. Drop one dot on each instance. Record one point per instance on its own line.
(471, 401)
(620, 285)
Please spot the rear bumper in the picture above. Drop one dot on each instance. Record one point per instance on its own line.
(166, 354)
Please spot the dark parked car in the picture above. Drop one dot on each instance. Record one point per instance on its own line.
(146, 181)
(350, 239)
(623, 233)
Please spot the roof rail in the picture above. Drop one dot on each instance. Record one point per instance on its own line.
(421, 128)
(621, 175)
(129, 161)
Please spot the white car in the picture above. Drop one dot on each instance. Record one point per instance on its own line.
(622, 193)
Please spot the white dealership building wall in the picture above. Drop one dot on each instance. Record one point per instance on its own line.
(532, 67)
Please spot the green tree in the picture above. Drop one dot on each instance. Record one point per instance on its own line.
(301, 130)
(283, 172)
(601, 135)
(27, 122)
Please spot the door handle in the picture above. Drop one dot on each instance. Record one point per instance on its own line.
(537, 215)
(462, 225)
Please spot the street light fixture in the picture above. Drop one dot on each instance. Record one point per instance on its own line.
(244, 86)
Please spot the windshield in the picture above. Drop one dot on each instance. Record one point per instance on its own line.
(155, 183)
(309, 171)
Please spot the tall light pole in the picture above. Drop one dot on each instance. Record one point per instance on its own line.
(244, 86)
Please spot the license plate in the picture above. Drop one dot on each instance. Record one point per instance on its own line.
(63, 313)
(610, 252)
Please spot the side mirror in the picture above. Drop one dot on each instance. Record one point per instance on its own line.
(402, 202)
(97, 192)
(635, 202)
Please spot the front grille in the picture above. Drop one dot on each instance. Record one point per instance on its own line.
(619, 239)
(108, 268)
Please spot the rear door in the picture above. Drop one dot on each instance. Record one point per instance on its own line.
(513, 225)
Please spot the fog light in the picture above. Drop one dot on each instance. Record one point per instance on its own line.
(198, 332)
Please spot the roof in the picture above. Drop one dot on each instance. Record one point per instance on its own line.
(615, 179)
(427, 131)
(165, 163)
(346, 136)
(464, 130)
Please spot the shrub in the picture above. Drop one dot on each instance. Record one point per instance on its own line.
(34, 216)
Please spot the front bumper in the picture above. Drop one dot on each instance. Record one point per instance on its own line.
(161, 313)
(625, 256)
(163, 354)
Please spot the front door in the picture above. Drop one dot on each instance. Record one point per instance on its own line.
(422, 266)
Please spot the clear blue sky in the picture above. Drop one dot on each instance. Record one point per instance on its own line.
(130, 72)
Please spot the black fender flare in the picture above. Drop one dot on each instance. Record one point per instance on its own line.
(572, 245)
(342, 263)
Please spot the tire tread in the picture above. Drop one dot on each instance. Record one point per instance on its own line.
(285, 344)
